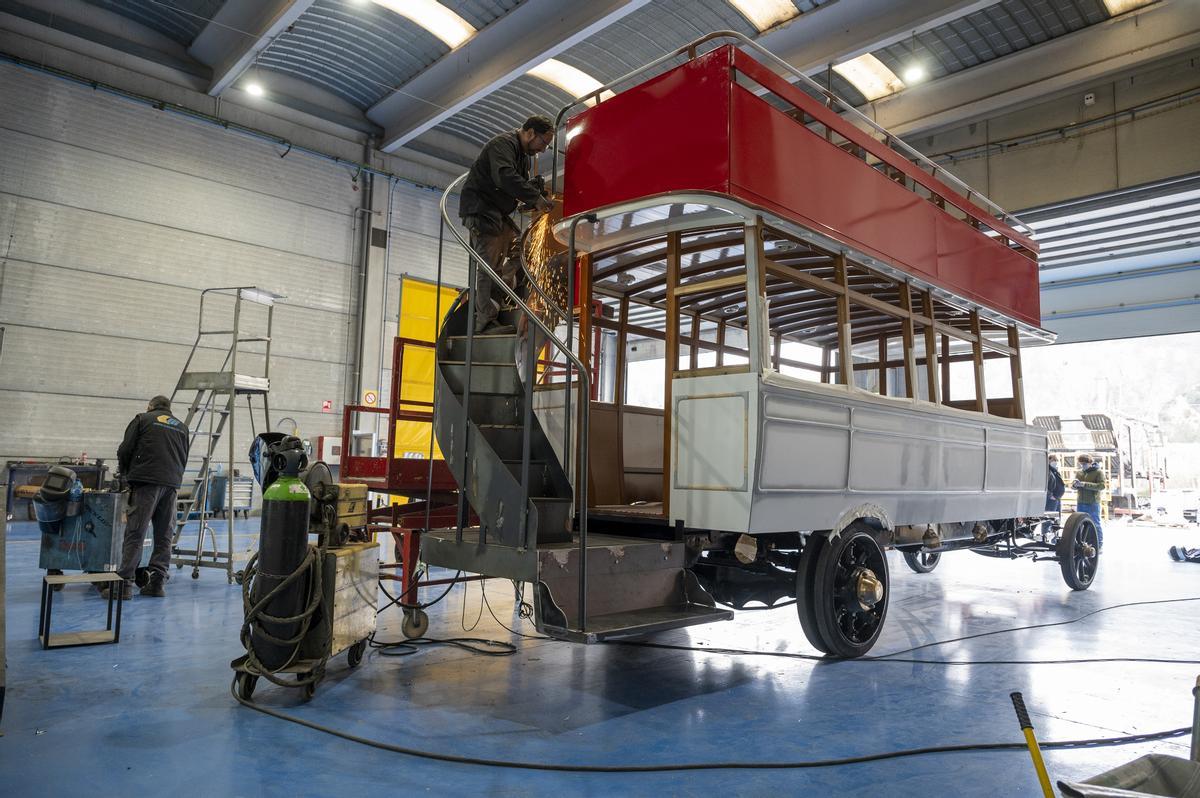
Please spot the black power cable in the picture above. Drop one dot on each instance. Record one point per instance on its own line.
(891, 657)
(1085, 616)
(471, 644)
(399, 600)
(475, 645)
(680, 766)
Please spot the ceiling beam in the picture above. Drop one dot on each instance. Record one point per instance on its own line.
(503, 51)
(1087, 55)
(238, 33)
(839, 31)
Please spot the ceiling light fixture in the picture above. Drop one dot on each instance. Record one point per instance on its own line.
(765, 14)
(574, 82)
(253, 84)
(915, 71)
(434, 17)
(869, 75)
(1117, 7)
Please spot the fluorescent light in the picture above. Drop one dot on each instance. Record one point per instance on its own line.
(914, 74)
(254, 88)
(574, 82)
(433, 17)
(765, 14)
(1116, 7)
(868, 74)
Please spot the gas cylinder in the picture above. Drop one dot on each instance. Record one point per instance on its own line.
(282, 547)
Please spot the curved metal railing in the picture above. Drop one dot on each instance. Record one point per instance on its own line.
(889, 139)
(581, 483)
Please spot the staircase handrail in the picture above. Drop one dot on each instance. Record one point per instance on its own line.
(581, 486)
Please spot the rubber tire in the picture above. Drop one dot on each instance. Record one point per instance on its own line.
(806, 575)
(354, 655)
(1066, 551)
(245, 685)
(913, 560)
(415, 624)
(823, 604)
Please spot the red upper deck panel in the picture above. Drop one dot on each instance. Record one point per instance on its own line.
(695, 129)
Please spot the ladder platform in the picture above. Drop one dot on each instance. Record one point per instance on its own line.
(223, 382)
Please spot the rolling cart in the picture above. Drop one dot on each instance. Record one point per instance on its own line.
(343, 620)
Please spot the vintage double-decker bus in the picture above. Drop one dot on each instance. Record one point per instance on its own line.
(778, 343)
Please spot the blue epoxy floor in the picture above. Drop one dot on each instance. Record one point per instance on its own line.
(154, 713)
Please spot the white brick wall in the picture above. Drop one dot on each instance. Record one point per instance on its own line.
(118, 215)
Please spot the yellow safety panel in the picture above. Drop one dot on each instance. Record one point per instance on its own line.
(419, 308)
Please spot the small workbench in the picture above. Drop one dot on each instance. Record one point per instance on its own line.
(111, 633)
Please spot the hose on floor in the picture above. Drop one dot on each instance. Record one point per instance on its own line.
(254, 614)
(681, 766)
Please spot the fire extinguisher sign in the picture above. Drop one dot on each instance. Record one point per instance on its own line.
(327, 406)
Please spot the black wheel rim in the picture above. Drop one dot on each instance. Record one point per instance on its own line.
(856, 624)
(1086, 540)
(928, 559)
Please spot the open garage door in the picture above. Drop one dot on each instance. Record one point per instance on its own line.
(1122, 264)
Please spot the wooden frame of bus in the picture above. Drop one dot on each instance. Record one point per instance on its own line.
(907, 313)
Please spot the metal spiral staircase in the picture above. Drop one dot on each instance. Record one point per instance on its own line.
(497, 451)
(526, 501)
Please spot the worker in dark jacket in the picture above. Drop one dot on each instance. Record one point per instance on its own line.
(498, 180)
(151, 459)
(1089, 484)
(1055, 487)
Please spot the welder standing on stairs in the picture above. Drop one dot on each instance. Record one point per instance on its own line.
(498, 180)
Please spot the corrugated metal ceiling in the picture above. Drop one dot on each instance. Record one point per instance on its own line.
(181, 20)
(663, 25)
(606, 55)
(993, 32)
(361, 51)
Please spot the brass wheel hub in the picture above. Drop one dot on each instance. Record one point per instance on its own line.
(867, 588)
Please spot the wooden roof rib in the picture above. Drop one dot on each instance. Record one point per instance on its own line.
(800, 288)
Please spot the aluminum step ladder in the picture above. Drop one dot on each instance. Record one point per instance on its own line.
(212, 412)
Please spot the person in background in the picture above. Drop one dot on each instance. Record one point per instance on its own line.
(1089, 484)
(151, 459)
(498, 180)
(1055, 487)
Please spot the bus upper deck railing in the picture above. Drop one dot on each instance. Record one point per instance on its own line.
(888, 148)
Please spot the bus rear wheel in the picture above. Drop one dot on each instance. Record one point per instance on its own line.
(846, 591)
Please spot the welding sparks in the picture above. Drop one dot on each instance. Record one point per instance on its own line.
(547, 266)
